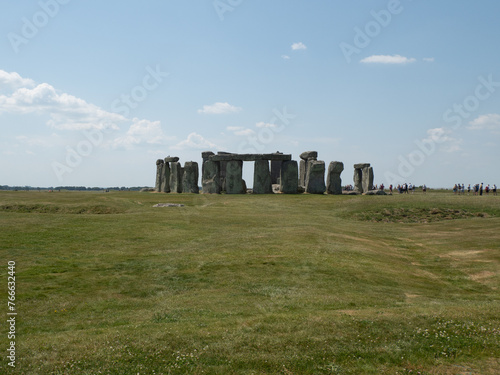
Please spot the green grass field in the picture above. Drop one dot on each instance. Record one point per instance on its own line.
(248, 284)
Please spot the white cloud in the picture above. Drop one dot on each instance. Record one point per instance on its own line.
(442, 136)
(195, 141)
(486, 122)
(285, 57)
(298, 46)
(66, 112)
(240, 131)
(142, 132)
(428, 59)
(387, 59)
(14, 81)
(265, 125)
(219, 108)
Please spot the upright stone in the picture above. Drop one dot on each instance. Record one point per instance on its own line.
(205, 155)
(315, 180)
(234, 180)
(165, 178)
(367, 180)
(211, 177)
(222, 168)
(358, 180)
(262, 178)
(159, 172)
(289, 182)
(333, 180)
(175, 177)
(190, 178)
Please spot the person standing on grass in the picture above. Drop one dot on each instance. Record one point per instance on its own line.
(390, 188)
(494, 189)
(455, 189)
(481, 189)
(487, 189)
(463, 189)
(468, 190)
(424, 189)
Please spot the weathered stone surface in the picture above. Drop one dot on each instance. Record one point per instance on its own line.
(165, 178)
(289, 181)
(262, 178)
(309, 155)
(205, 155)
(381, 192)
(315, 180)
(147, 190)
(303, 173)
(168, 205)
(159, 171)
(361, 165)
(170, 159)
(175, 177)
(275, 169)
(190, 178)
(358, 184)
(333, 181)
(367, 179)
(211, 177)
(234, 181)
(250, 157)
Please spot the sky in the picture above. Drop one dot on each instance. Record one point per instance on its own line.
(92, 92)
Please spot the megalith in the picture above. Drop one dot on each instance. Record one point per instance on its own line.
(234, 181)
(276, 169)
(165, 178)
(305, 158)
(367, 179)
(315, 179)
(175, 177)
(190, 178)
(289, 181)
(159, 172)
(333, 180)
(211, 183)
(262, 178)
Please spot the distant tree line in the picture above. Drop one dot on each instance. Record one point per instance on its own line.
(72, 188)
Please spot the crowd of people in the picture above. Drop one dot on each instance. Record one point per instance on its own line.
(476, 189)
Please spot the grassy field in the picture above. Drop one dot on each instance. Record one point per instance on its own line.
(247, 284)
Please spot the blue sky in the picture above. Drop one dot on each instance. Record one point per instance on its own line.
(93, 92)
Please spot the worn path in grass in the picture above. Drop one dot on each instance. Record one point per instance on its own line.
(275, 284)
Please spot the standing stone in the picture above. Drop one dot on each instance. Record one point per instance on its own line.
(222, 168)
(205, 155)
(190, 178)
(211, 177)
(333, 180)
(234, 180)
(175, 177)
(358, 178)
(315, 180)
(165, 178)
(262, 178)
(367, 180)
(289, 182)
(159, 172)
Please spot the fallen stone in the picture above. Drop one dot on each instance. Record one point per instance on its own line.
(168, 205)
